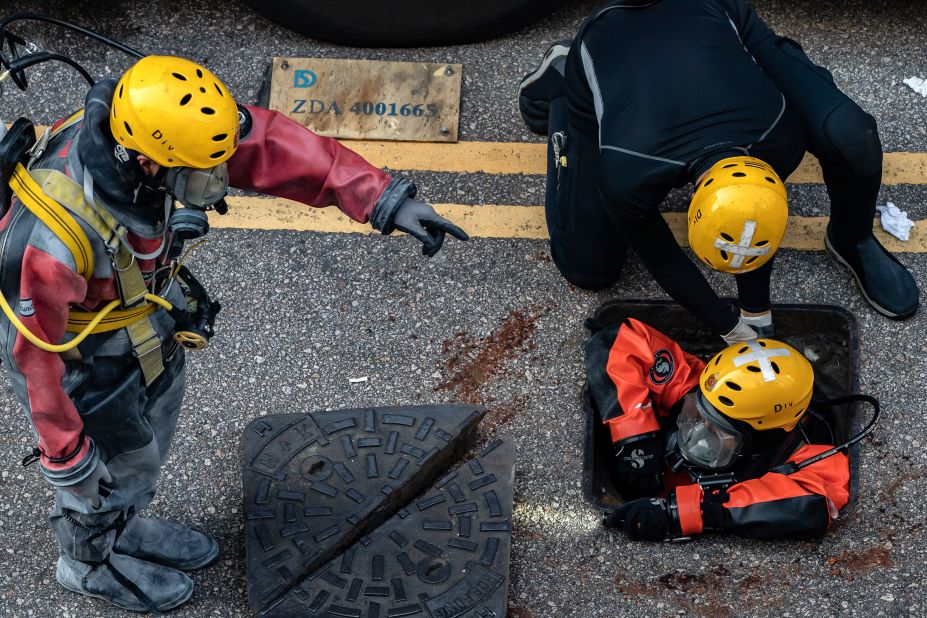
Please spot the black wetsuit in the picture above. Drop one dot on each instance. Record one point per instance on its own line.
(658, 91)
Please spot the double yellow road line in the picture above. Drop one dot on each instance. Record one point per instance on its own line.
(531, 158)
(519, 221)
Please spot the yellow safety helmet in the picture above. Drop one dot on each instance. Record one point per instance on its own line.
(175, 112)
(765, 383)
(738, 215)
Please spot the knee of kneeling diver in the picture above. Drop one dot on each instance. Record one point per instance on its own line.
(854, 134)
(592, 282)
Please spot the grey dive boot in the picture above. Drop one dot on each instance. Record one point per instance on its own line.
(126, 582)
(167, 543)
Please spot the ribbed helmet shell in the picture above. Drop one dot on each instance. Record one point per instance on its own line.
(765, 383)
(175, 112)
(738, 215)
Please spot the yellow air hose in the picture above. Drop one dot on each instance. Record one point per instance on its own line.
(86, 332)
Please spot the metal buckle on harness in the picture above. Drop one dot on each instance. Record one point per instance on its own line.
(38, 148)
(715, 481)
(129, 279)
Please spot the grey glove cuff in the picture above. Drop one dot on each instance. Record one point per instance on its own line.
(398, 191)
(741, 332)
(77, 473)
(762, 324)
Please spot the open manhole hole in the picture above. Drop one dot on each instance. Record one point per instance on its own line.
(826, 335)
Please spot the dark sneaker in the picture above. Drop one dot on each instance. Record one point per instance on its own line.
(126, 582)
(541, 85)
(167, 543)
(884, 281)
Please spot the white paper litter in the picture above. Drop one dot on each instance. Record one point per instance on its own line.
(918, 85)
(895, 221)
(357, 380)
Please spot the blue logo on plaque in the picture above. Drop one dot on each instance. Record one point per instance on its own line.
(304, 78)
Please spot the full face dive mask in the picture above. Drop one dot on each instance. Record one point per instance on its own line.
(201, 189)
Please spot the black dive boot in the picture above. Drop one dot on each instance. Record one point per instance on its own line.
(126, 582)
(167, 543)
(540, 86)
(884, 281)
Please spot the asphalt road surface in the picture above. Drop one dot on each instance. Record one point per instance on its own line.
(306, 311)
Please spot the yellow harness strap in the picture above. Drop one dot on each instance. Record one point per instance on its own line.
(44, 193)
(58, 220)
(114, 320)
(65, 191)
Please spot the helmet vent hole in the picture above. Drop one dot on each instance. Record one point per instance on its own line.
(775, 367)
(751, 260)
(770, 180)
(179, 76)
(754, 368)
(727, 237)
(199, 73)
(708, 182)
(734, 386)
(203, 90)
(208, 111)
(743, 350)
(762, 344)
(120, 90)
(726, 401)
(729, 165)
(739, 175)
(186, 99)
(128, 128)
(724, 255)
(220, 137)
(170, 160)
(759, 422)
(762, 243)
(717, 359)
(219, 90)
(216, 155)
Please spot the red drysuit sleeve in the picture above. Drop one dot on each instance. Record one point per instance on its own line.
(636, 375)
(802, 504)
(50, 287)
(280, 157)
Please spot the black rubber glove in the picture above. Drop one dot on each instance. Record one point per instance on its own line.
(646, 519)
(421, 221)
(637, 467)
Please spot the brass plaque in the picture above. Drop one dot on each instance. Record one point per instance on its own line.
(367, 99)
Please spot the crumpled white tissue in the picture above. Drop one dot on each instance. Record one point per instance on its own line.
(895, 221)
(918, 85)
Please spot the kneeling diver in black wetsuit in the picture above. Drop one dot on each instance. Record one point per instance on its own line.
(655, 94)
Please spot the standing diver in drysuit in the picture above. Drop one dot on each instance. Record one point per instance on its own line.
(89, 249)
(655, 94)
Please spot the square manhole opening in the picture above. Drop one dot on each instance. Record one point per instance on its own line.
(827, 335)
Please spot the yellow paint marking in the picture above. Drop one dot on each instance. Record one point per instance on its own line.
(531, 158)
(492, 221)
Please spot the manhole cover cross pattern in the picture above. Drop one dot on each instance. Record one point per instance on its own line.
(445, 555)
(315, 483)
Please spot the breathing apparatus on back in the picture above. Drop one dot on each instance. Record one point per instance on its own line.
(746, 416)
(162, 108)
